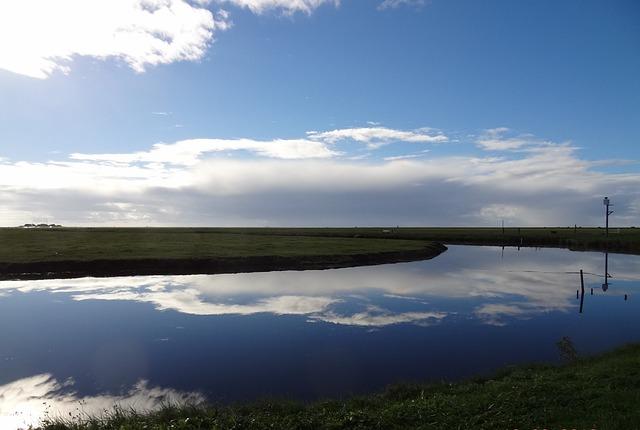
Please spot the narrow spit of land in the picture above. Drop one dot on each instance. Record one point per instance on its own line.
(77, 252)
(595, 393)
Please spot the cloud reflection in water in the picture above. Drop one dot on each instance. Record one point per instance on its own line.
(520, 285)
(29, 400)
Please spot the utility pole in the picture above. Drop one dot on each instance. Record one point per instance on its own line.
(607, 203)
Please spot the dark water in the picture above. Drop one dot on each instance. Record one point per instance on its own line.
(83, 345)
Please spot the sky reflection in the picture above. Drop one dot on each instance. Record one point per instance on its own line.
(510, 283)
(85, 344)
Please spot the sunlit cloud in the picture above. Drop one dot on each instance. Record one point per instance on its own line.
(375, 137)
(46, 36)
(501, 139)
(189, 152)
(288, 7)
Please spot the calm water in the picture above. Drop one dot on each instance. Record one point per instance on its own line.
(85, 344)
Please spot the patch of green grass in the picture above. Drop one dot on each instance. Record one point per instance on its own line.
(595, 393)
(619, 240)
(77, 244)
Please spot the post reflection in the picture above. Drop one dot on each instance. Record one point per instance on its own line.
(605, 285)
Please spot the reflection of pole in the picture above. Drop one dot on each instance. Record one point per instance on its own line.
(605, 286)
(581, 290)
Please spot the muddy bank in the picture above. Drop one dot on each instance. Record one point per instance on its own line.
(197, 266)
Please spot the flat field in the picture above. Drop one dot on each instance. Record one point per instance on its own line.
(625, 240)
(77, 252)
(79, 244)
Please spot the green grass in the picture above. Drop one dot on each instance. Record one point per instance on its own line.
(619, 240)
(76, 244)
(601, 392)
(83, 244)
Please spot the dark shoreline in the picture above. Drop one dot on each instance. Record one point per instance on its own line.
(206, 266)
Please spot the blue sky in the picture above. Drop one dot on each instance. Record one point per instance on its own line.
(466, 102)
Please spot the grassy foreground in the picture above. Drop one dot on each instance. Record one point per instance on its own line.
(595, 393)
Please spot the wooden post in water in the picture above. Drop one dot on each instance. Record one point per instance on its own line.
(581, 290)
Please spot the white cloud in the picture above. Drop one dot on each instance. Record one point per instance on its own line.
(286, 6)
(405, 157)
(393, 4)
(496, 139)
(189, 152)
(46, 35)
(374, 137)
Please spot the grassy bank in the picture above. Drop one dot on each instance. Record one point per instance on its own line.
(75, 252)
(595, 393)
(70, 252)
(34, 245)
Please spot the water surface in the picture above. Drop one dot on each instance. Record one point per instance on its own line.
(85, 344)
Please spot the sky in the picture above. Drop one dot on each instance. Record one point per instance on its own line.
(319, 112)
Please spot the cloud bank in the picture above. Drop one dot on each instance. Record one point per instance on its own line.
(316, 180)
